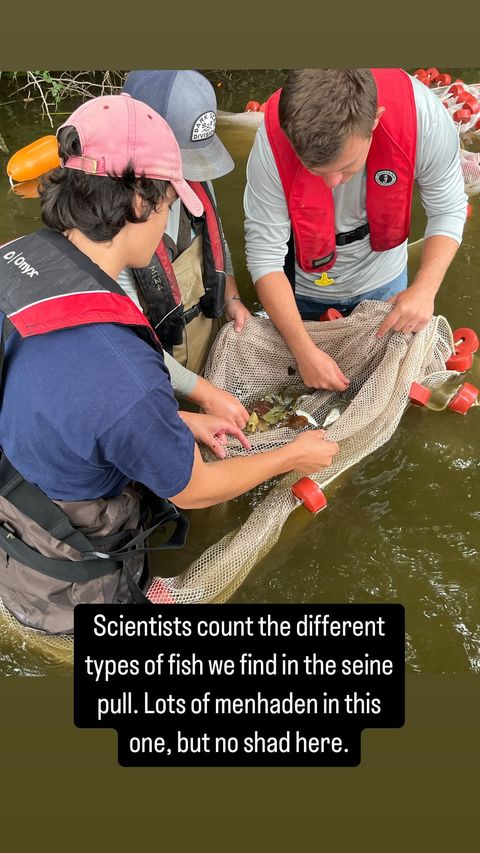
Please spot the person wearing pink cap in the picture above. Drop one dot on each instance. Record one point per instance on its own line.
(94, 447)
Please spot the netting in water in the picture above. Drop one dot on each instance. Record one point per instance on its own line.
(470, 161)
(43, 648)
(258, 362)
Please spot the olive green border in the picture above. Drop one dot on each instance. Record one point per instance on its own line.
(416, 786)
(421, 777)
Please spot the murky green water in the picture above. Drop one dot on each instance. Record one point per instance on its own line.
(404, 524)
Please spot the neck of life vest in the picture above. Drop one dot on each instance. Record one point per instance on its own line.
(47, 284)
(163, 293)
(390, 177)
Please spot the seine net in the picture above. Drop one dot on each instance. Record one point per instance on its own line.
(470, 161)
(258, 362)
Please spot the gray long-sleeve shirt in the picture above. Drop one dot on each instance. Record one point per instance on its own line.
(357, 268)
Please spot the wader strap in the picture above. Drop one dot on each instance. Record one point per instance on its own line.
(34, 503)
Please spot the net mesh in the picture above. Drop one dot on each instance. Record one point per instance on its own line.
(52, 650)
(258, 362)
(454, 103)
(470, 161)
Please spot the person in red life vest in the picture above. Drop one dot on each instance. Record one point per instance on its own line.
(93, 446)
(189, 284)
(328, 203)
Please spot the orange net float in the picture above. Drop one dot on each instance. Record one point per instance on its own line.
(330, 314)
(462, 115)
(33, 160)
(307, 492)
(418, 394)
(466, 343)
(464, 399)
(433, 74)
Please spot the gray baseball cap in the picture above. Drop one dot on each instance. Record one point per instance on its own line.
(187, 102)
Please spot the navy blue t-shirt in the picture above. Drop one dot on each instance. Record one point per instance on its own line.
(87, 410)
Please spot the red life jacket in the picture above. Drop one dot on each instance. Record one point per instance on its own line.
(390, 175)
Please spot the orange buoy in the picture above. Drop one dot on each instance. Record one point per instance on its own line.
(465, 340)
(27, 189)
(418, 394)
(330, 314)
(252, 107)
(471, 104)
(456, 90)
(444, 80)
(34, 160)
(461, 362)
(433, 74)
(462, 115)
(311, 495)
(464, 399)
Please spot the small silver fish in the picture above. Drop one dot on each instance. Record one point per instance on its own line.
(309, 418)
(332, 416)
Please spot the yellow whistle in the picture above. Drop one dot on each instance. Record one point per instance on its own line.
(324, 280)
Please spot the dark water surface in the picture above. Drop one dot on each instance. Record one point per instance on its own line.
(401, 526)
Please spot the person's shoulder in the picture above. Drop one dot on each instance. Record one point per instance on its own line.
(427, 103)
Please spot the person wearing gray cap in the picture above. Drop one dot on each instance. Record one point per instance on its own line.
(190, 283)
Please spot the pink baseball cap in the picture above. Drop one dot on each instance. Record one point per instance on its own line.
(115, 130)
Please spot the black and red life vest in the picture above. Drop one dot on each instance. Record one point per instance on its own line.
(47, 284)
(390, 176)
(160, 289)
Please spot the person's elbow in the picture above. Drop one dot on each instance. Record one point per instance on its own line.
(197, 493)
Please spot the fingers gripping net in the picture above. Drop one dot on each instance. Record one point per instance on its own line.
(255, 363)
(258, 362)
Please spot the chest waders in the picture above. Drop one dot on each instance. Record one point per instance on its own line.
(183, 287)
(57, 564)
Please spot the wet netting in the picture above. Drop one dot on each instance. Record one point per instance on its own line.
(257, 362)
(470, 161)
(48, 649)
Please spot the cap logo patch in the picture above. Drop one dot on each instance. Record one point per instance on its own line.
(204, 126)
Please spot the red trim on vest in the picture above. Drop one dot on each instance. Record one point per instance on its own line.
(213, 229)
(166, 264)
(78, 309)
(215, 237)
(393, 148)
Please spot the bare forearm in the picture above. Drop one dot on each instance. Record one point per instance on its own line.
(276, 295)
(437, 255)
(212, 483)
(317, 369)
(231, 288)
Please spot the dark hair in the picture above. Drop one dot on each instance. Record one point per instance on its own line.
(99, 206)
(320, 108)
